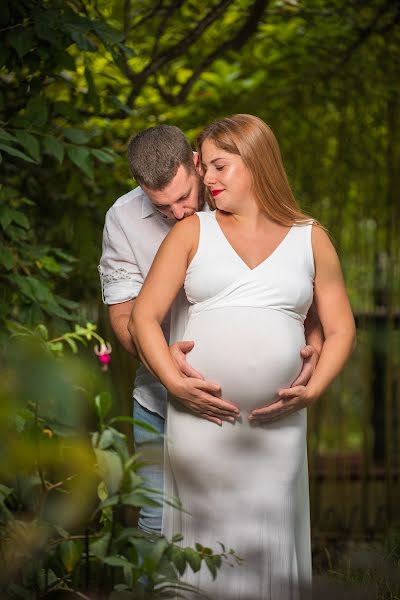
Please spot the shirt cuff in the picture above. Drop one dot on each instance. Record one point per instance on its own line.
(119, 286)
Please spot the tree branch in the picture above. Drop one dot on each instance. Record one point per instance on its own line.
(161, 28)
(364, 34)
(177, 50)
(234, 44)
(149, 15)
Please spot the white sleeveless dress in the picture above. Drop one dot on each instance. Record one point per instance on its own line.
(245, 486)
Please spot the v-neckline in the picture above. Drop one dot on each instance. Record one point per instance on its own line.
(266, 259)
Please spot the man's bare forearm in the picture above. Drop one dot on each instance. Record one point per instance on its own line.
(119, 318)
(313, 330)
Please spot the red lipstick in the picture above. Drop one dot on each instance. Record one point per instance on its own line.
(216, 192)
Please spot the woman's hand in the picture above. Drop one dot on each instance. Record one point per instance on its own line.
(290, 401)
(203, 398)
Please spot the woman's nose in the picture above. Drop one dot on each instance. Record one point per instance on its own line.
(208, 178)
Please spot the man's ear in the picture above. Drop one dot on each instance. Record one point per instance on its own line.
(196, 160)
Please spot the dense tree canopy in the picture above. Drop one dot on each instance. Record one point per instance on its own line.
(78, 78)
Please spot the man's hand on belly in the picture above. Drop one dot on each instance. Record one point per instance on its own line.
(310, 358)
(178, 353)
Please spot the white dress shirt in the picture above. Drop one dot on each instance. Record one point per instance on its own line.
(133, 232)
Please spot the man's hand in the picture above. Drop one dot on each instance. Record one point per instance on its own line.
(290, 399)
(204, 399)
(310, 358)
(178, 352)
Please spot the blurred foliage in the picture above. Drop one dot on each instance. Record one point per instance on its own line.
(63, 491)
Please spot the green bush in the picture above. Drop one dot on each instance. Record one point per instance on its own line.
(64, 492)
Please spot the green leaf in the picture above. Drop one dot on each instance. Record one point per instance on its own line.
(112, 501)
(124, 107)
(158, 550)
(46, 23)
(139, 500)
(42, 331)
(193, 559)
(6, 258)
(107, 33)
(70, 552)
(21, 41)
(72, 344)
(21, 219)
(37, 111)
(211, 566)
(117, 561)
(103, 156)
(5, 491)
(77, 136)
(6, 216)
(30, 143)
(80, 156)
(4, 135)
(14, 152)
(49, 263)
(83, 42)
(93, 96)
(41, 292)
(54, 147)
(179, 559)
(109, 468)
(106, 440)
(103, 404)
(140, 424)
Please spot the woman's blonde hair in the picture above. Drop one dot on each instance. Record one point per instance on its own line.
(252, 139)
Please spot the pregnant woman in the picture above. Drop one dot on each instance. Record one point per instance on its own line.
(251, 270)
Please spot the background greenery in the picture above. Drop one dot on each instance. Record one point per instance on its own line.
(79, 77)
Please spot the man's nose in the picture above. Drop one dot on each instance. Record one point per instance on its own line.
(178, 212)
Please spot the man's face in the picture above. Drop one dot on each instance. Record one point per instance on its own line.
(180, 198)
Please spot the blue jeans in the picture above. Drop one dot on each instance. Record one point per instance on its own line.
(151, 447)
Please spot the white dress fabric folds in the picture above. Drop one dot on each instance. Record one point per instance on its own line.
(245, 486)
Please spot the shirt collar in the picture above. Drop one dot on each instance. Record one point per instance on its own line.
(147, 207)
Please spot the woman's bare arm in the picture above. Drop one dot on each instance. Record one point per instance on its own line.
(334, 310)
(160, 288)
(333, 307)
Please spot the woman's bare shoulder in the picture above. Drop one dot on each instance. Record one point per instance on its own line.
(320, 238)
(186, 229)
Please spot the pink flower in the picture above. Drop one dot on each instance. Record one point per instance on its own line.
(104, 354)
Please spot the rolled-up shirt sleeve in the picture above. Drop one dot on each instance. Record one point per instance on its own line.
(120, 276)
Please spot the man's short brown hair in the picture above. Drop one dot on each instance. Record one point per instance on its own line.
(155, 154)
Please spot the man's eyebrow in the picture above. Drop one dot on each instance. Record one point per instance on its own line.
(187, 193)
(177, 200)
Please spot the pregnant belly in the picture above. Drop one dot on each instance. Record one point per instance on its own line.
(250, 352)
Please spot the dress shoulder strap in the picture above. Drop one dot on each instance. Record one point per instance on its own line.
(206, 236)
(301, 245)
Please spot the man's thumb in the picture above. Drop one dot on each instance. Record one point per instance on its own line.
(185, 346)
(306, 351)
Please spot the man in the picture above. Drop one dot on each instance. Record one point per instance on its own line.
(164, 166)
